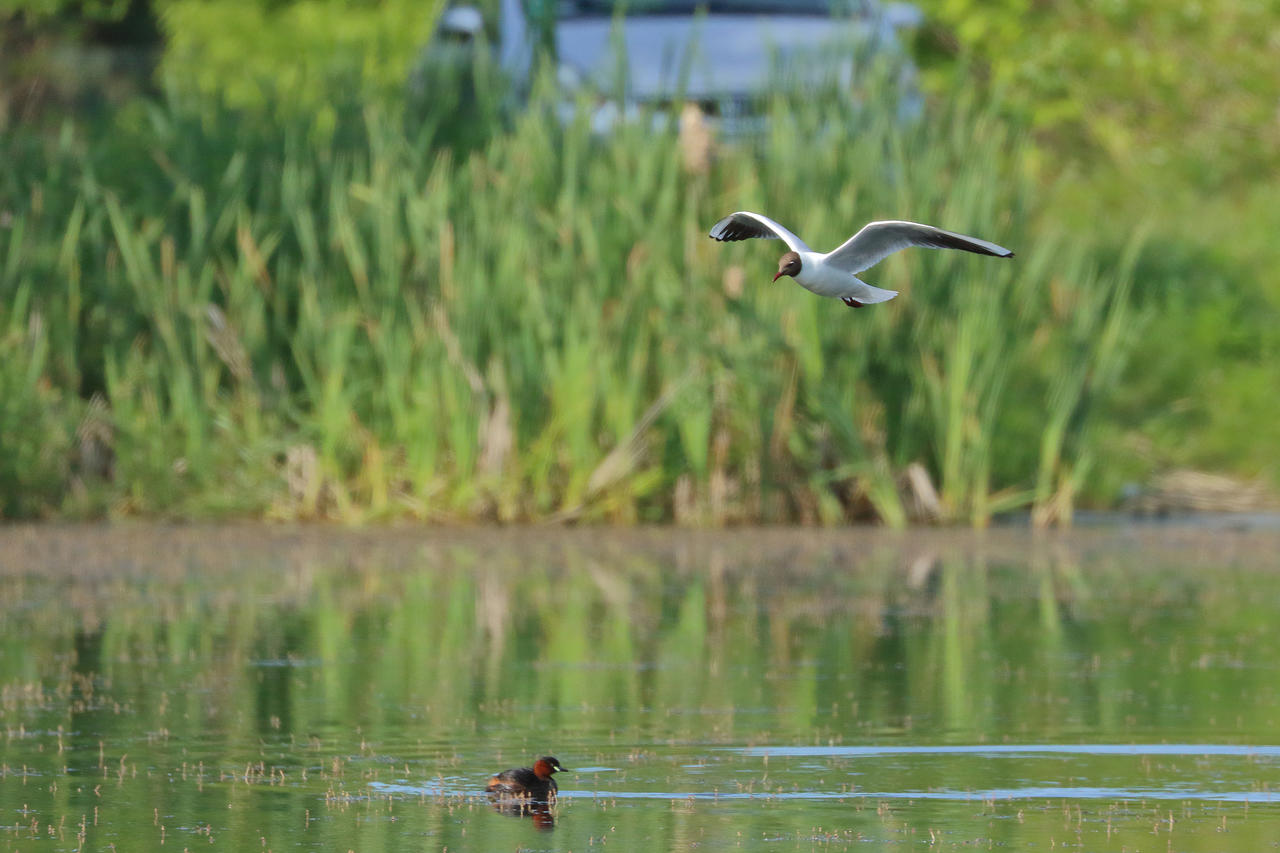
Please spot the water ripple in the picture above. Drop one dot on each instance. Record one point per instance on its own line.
(994, 750)
(1034, 792)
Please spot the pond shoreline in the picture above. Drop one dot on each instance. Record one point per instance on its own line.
(165, 547)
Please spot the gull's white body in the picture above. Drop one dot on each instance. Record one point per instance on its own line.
(834, 273)
(826, 280)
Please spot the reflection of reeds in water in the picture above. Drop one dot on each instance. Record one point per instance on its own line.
(361, 325)
(830, 631)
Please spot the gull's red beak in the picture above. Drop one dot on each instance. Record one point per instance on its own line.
(777, 275)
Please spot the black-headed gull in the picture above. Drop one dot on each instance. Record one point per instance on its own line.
(835, 273)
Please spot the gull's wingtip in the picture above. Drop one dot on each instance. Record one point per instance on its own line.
(717, 230)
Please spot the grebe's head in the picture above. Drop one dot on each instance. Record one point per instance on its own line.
(545, 766)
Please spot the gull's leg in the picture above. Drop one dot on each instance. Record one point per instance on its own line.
(851, 302)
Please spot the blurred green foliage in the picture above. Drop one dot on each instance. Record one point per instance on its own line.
(1161, 115)
(42, 10)
(36, 420)
(256, 54)
(1185, 89)
(1128, 117)
(294, 55)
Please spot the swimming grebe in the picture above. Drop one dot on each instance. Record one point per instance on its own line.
(534, 783)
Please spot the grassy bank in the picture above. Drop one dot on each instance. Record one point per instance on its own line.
(205, 312)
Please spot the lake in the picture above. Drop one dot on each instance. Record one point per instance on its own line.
(269, 688)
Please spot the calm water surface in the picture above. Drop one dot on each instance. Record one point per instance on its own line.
(249, 688)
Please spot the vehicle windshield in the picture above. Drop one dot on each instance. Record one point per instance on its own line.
(592, 8)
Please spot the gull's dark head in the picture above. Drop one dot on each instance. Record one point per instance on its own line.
(788, 264)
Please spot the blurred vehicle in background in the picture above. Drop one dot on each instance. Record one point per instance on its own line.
(726, 56)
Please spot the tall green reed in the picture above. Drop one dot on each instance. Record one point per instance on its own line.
(367, 323)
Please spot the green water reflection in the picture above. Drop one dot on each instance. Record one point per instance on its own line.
(243, 689)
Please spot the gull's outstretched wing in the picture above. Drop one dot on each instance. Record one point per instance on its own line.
(877, 240)
(745, 225)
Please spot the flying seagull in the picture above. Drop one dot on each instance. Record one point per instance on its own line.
(835, 273)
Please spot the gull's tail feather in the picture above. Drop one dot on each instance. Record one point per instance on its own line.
(872, 295)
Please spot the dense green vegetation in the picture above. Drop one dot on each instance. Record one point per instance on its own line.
(1162, 114)
(300, 300)
(360, 323)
